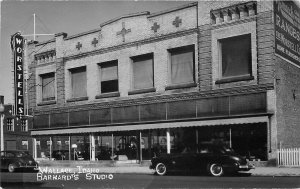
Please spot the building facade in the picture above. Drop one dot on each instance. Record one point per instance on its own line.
(15, 132)
(149, 83)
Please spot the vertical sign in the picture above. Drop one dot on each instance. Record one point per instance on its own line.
(17, 43)
(287, 30)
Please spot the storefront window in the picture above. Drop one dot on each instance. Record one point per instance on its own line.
(80, 147)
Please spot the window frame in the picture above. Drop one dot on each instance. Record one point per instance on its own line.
(71, 72)
(135, 60)
(234, 77)
(10, 127)
(26, 125)
(176, 51)
(107, 64)
(227, 31)
(41, 87)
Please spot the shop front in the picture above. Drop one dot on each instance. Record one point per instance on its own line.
(247, 136)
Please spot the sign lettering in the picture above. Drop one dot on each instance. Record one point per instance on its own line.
(17, 44)
(287, 30)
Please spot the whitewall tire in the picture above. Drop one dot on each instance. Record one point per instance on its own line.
(216, 170)
(161, 169)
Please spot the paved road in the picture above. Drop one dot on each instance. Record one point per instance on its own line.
(104, 180)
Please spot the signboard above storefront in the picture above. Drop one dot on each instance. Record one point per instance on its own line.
(287, 30)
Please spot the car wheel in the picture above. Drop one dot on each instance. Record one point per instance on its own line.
(216, 170)
(11, 168)
(161, 169)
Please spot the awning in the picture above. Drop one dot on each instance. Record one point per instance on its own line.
(232, 121)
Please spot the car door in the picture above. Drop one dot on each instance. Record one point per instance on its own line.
(204, 157)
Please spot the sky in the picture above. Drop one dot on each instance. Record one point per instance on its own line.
(53, 17)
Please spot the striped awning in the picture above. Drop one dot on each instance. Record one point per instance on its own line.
(231, 121)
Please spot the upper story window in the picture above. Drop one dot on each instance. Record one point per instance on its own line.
(236, 56)
(78, 82)
(24, 125)
(182, 65)
(10, 124)
(109, 77)
(142, 68)
(48, 86)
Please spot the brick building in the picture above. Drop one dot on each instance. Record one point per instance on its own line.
(15, 131)
(150, 83)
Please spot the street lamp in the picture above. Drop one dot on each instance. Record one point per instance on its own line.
(2, 108)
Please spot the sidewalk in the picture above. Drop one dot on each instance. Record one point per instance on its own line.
(144, 169)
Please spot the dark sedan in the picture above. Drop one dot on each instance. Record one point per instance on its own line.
(213, 159)
(17, 160)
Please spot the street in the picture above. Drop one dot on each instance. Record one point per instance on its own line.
(104, 180)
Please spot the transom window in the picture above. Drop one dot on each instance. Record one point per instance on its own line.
(10, 124)
(236, 56)
(109, 77)
(143, 71)
(182, 64)
(48, 86)
(78, 82)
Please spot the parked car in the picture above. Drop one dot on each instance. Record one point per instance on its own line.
(213, 159)
(15, 160)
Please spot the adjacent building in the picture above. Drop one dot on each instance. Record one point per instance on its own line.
(15, 131)
(149, 83)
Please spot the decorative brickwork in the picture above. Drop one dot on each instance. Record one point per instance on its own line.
(45, 57)
(233, 13)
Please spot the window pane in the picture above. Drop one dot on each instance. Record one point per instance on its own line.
(182, 65)
(125, 114)
(182, 109)
(78, 82)
(143, 73)
(236, 56)
(109, 77)
(109, 86)
(109, 73)
(48, 87)
(152, 112)
(251, 103)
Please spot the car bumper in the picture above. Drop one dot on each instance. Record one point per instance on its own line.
(35, 167)
(236, 167)
(245, 167)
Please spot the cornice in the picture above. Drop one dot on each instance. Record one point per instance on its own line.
(160, 99)
(131, 44)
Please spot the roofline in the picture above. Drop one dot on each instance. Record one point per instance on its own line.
(173, 9)
(83, 33)
(124, 16)
(119, 18)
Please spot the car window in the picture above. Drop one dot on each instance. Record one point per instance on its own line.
(205, 150)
